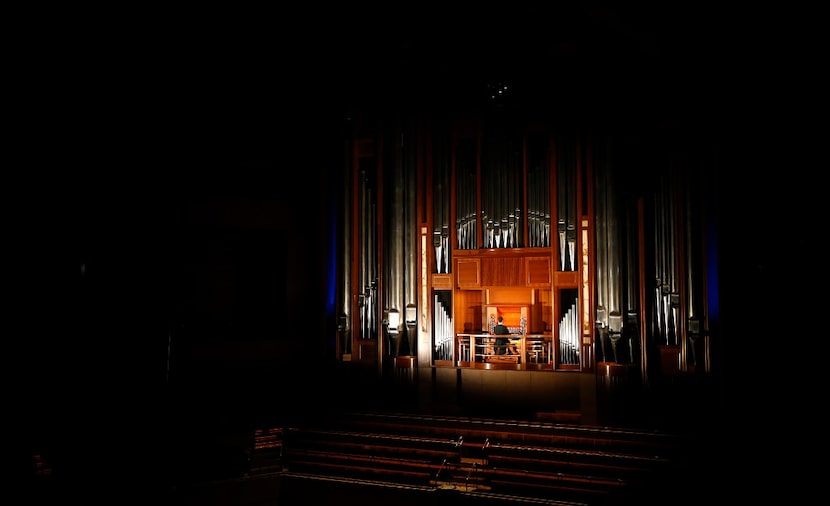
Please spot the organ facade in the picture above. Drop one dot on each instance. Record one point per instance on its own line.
(595, 249)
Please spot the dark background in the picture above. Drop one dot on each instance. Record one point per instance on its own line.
(125, 122)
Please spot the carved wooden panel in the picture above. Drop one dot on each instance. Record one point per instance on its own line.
(468, 272)
(538, 271)
(503, 271)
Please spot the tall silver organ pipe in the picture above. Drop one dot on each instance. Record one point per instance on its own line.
(466, 217)
(502, 191)
(411, 247)
(372, 269)
(368, 254)
(441, 204)
(692, 252)
(602, 187)
(611, 280)
(605, 229)
(538, 193)
(614, 252)
(673, 298)
(566, 218)
(666, 297)
(631, 299)
(665, 253)
(393, 236)
(631, 264)
(363, 234)
(345, 311)
(657, 307)
(692, 249)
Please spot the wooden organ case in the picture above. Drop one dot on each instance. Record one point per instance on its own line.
(512, 238)
(595, 265)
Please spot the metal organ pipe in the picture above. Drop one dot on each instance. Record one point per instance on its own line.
(601, 263)
(466, 193)
(502, 196)
(569, 336)
(411, 251)
(571, 211)
(538, 195)
(670, 291)
(562, 204)
(344, 317)
(658, 330)
(368, 253)
(440, 213)
(601, 260)
(674, 297)
(669, 265)
(440, 157)
(443, 331)
(693, 325)
(465, 215)
(565, 339)
(533, 220)
(363, 275)
(630, 262)
(373, 271)
(566, 218)
(611, 280)
(691, 311)
(502, 193)
(393, 238)
(631, 322)
(466, 218)
(575, 331)
(516, 227)
(471, 214)
(614, 295)
(488, 204)
(666, 297)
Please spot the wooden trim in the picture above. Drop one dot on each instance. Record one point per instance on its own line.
(442, 282)
(566, 279)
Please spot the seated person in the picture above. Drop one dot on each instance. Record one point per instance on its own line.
(503, 345)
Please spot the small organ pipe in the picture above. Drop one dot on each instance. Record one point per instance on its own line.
(569, 336)
(443, 329)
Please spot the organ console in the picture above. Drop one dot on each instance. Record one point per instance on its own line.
(476, 351)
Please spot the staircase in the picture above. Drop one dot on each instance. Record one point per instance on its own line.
(477, 460)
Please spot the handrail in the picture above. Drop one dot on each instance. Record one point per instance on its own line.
(536, 347)
(467, 479)
(440, 470)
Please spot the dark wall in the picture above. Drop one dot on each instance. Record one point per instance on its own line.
(161, 306)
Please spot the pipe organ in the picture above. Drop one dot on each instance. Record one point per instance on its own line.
(590, 260)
